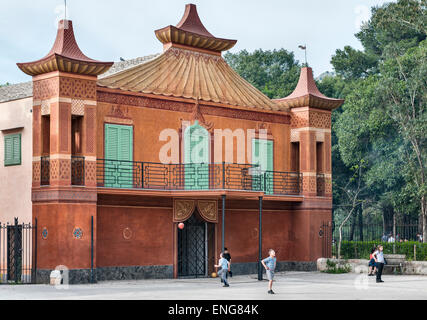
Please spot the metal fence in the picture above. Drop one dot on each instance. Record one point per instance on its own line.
(18, 250)
(200, 176)
(359, 239)
(379, 232)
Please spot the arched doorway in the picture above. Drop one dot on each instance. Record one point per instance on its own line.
(196, 247)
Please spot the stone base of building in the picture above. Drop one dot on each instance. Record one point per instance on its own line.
(75, 276)
(82, 276)
(134, 273)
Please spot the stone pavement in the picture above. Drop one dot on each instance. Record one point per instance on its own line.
(288, 286)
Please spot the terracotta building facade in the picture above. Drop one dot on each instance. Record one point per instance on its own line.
(119, 161)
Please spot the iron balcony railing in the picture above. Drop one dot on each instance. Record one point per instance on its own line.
(321, 184)
(77, 171)
(44, 171)
(224, 176)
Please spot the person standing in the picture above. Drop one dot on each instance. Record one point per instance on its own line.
(379, 261)
(225, 267)
(372, 266)
(270, 265)
(227, 256)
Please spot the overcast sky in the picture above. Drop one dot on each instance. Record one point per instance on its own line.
(109, 29)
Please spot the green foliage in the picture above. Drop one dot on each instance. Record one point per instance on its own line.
(353, 64)
(333, 267)
(404, 21)
(362, 249)
(383, 121)
(275, 73)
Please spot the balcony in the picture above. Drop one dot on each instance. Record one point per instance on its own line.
(171, 177)
(320, 181)
(44, 171)
(77, 171)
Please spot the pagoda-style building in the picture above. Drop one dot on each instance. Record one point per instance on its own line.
(120, 161)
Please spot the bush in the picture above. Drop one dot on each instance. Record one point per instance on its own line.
(362, 249)
(333, 267)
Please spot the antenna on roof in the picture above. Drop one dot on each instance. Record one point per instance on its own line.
(304, 47)
(65, 13)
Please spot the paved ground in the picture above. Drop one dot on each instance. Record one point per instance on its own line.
(288, 286)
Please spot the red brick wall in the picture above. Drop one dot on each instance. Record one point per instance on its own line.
(150, 241)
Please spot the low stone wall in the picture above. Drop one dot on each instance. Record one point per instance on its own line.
(415, 267)
(361, 266)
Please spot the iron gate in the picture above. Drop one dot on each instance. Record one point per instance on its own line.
(192, 248)
(18, 247)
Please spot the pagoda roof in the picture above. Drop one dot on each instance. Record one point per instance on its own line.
(306, 94)
(65, 56)
(191, 32)
(189, 74)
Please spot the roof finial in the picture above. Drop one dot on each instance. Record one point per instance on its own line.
(65, 11)
(304, 47)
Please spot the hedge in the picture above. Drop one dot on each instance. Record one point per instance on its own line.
(362, 249)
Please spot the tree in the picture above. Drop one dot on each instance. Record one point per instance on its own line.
(362, 127)
(352, 190)
(402, 22)
(404, 93)
(275, 73)
(353, 64)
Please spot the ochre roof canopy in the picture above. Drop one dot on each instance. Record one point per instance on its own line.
(306, 94)
(191, 32)
(65, 56)
(185, 71)
(193, 75)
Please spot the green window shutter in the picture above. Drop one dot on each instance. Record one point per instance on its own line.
(111, 142)
(8, 150)
(17, 149)
(196, 157)
(263, 155)
(118, 146)
(12, 149)
(125, 143)
(270, 155)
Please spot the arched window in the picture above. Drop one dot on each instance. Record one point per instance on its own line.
(196, 157)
